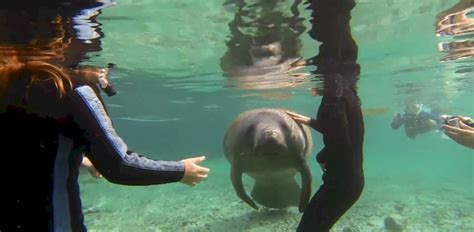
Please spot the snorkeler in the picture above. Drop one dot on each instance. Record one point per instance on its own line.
(417, 119)
(51, 115)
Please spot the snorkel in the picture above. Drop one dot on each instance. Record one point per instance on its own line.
(413, 109)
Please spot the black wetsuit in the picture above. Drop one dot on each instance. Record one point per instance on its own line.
(42, 141)
(339, 117)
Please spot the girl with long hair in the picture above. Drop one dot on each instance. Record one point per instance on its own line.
(49, 117)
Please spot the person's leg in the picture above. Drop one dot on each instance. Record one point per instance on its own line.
(331, 201)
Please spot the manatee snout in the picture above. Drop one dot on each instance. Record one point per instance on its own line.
(270, 141)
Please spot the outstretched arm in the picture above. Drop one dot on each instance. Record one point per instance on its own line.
(299, 118)
(110, 155)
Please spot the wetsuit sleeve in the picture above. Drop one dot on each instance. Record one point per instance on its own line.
(313, 124)
(108, 152)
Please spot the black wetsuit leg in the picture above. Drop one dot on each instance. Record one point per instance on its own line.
(330, 202)
(340, 120)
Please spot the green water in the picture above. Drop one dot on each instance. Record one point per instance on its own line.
(174, 103)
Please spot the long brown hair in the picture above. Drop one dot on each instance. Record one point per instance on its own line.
(35, 72)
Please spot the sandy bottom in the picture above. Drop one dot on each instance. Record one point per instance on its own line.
(213, 206)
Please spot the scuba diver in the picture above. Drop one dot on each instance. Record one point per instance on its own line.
(417, 119)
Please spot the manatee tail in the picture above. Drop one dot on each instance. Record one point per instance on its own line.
(277, 193)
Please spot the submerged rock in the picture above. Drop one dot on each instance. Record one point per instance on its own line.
(395, 222)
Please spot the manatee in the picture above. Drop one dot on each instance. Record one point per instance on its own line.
(270, 147)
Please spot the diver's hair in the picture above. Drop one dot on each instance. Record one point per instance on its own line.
(38, 71)
(42, 71)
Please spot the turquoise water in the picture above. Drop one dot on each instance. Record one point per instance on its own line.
(174, 102)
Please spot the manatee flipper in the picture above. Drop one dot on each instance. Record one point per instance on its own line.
(306, 180)
(281, 192)
(236, 178)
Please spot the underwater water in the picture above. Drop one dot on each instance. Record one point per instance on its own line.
(174, 101)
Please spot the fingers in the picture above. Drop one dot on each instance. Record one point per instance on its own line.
(194, 160)
(463, 125)
(450, 129)
(465, 118)
(194, 173)
(199, 177)
(199, 169)
(202, 170)
(452, 135)
(459, 138)
(197, 160)
(456, 138)
(290, 112)
(196, 179)
(96, 175)
(202, 176)
(299, 118)
(293, 114)
(463, 135)
(454, 129)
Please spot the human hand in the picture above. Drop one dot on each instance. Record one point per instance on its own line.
(463, 135)
(94, 74)
(86, 163)
(193, 173)
(102, 77)
(397, 121)
(299, 117)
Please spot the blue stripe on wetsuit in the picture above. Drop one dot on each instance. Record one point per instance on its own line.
(61, 215)
(106, 147)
